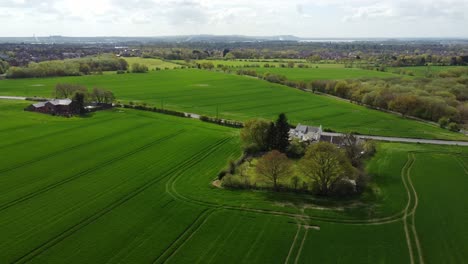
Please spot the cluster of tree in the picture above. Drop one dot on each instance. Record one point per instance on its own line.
(139, 68)
(4, 66)
(432, 99)
(397, 53)
(259, 135)
(154, 109)
(423, 60)
(205, 65)
(437, 100)
(322, 169)
(72, 67)
(222, 122)
(98, 95)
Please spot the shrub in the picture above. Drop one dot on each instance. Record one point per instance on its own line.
(453, 127)
(443, 122)
(139, 68)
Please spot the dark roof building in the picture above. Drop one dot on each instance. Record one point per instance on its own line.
(64, 107)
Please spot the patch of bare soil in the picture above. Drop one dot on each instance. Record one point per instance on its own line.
(217, 184)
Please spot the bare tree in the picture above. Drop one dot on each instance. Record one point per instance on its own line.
(353, 147)
(102, 96)
(274, 166)
(67, 90)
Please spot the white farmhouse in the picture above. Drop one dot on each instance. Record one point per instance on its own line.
(305, 133)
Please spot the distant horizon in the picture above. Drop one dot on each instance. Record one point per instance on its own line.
(320, 18)
(237, 35)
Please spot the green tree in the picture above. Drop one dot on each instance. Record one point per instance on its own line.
(325, 164)
(282, 133)
(444, 121)
(341, 89)
(296, 148)
(272, 140)
(254, 135)
(139, 68)
(453, 127)
(79, 99)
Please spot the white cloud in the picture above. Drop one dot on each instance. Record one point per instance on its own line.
(318, 18)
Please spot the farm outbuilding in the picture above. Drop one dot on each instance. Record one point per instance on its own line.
(64, 107)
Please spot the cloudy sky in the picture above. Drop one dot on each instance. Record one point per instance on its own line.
(313, 18)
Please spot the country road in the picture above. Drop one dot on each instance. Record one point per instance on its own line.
(380, 138)
(12, 98)
(404, 140)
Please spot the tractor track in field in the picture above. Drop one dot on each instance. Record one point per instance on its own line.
(185, 236)
(87, 171)
(299, 251)
(400, 216)
(74, 128)
(413, 214)
(170, 184)
(90, 219)
(404, 173)
(67, 149)
(415, 251)
(291, 249)
(462, 164)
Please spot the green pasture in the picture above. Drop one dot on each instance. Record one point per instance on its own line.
(127, 186)
(236, 97)
(152, 63)
(325, 73)
(423, 71)
(271, 62)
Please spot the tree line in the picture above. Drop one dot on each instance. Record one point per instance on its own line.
(319, 168)
(98, 95)
(435, 99)
(72, 67)
(4, 66)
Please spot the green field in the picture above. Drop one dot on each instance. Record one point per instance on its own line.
(270, 62)
(325, 73)
(422, 71)
(152, 63)
(129, 186)
(238, 98)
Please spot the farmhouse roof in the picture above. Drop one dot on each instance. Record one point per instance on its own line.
(307, 129)
(38, 105)
(60, 101)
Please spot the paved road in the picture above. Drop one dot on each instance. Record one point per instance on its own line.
(405, 140)
(13, 97)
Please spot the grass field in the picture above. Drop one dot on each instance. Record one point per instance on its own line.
(261, 63)
(325, 73)
(422, 71)
(238, 98)
(152, 63)
(125, 186)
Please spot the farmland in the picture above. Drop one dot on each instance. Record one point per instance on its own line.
(238, 98)
(424, 71)
(263, 62)
(325, 73)
(152, 63)
(135, 187)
